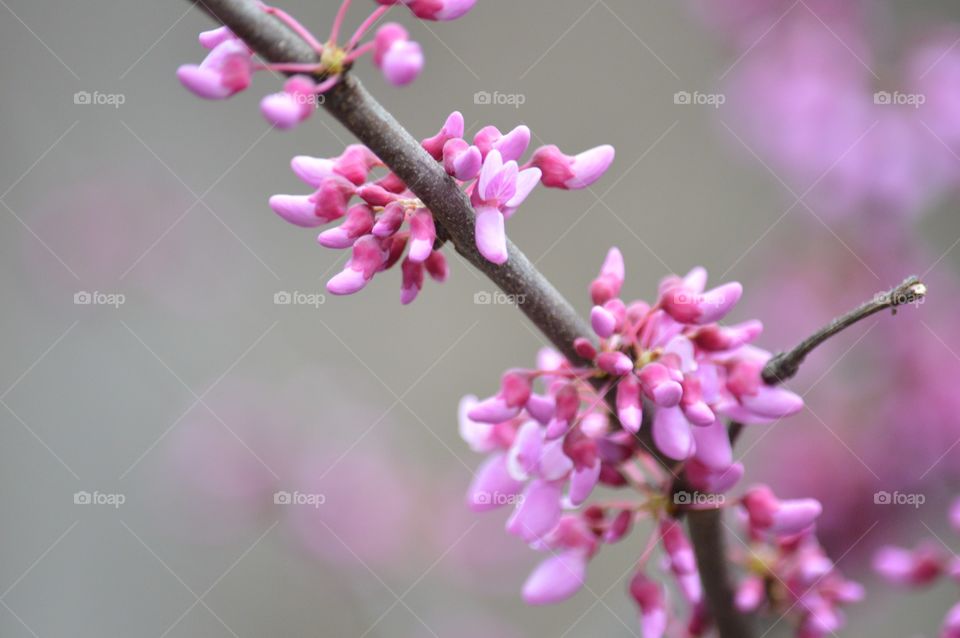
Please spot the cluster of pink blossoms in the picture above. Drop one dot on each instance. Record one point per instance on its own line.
(229, 66)
(551, 439)
(923, 566)
(389, 219)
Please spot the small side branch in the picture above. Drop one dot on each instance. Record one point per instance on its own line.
(785, 365)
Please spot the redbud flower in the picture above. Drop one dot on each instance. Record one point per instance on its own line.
(572, 172)
(500, 190)
(400, 59)
(225, 71)
(651, 600)
(435, 9)
(920, 566)
(291, 106)
(767, 514)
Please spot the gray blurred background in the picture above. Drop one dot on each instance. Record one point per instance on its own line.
(163, 200)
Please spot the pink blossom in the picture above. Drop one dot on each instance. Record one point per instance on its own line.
(225, 71)
(291, 106)
(400, 59)
(572, 172)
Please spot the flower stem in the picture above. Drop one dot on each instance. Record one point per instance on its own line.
(786, 364)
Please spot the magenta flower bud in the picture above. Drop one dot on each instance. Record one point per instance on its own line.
(402, 62)
(772, 402)
(412, 280)
(292, 105)
(332, 197)
(491, 235)
(515, 388)
(716, 338)
(678, 548)
(572, 172)
(557, 578)
(436, 266)
(538, 511)
(514, 144)
(225, 71)
(607, 286)
(492, 485)
(297, 209)
(355, 163)
(584, 348)
(462, 160)
(359, 222)
(659, 386)
(387, 35)
(440, 9)
(376, 195)
(366, 259)
(523, 458)
(701, 477)
(615, 363)
(619, 527)
(750, 594)
(713, 446)
(782, 518)
(671, 433)
(312, 170)
(602, 321)
(648, 595)
(554, 464)
(210, 39)
(493, 410)
(486, 139)
(687, 305)
(479, 436)
(629, 406)
(452, 128)
(917, 567)
(541, 408)
(390, 220)
(422, 235)
(582, 482)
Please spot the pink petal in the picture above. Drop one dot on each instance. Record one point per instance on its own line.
(491, 235)
(492, 486)
(589, 166)
(538, 511)
(297, 209)
(671, 433)
(557, 578)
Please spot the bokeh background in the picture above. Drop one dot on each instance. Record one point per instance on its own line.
(197, 398)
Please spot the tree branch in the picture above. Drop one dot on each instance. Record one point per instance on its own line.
(786, 364)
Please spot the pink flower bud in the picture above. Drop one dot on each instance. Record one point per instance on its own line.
(359, 222)
(659, 386)
(452, 128)
(557, 578)
(538, 511)
(292, 105)
(390, 220)
(716, 338)
(402, 62)
(615, 363)
(367, 258)
(436, 266)
(582, 482)
(492, 485)
(671, 433)
(572, 172)
(686, 305)
(648, 595)
(312, 170)
(629, 407)
(608, 284)
(541, 408)
(602, 321)
(422, 235)
(584, 348)
(917, 567)
(514, 144)
(412, 280)
(461, 160)
(225, 71)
